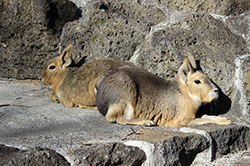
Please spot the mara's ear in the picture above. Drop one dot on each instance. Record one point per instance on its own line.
(67, 56)
(185, 71)
(69, 50)
(192, 61)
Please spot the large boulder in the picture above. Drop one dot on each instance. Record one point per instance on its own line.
(109, 154)
(36, 156)
(225, 7)
(112, 28)
(30, 32)
(174, 147)
(207, 38)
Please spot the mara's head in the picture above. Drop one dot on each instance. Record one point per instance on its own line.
(57, 65)
(195, 83)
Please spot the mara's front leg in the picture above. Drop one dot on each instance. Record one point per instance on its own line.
(210, 119)
(88, 107)
(180, 120)
(53, 96)
(140, 122)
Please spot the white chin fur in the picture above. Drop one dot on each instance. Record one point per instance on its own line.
(213, 95)
(196, 99)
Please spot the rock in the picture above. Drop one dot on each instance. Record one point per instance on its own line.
(109, 154)
(241, 97)
(36, 156)
(240, 107)
(233, 23)
(174, 147)
(226, 7)
(198, 144)
(227, 139)
(246, 83)
(233, 159)
(199, 34)
(34, 35)
(111, 28)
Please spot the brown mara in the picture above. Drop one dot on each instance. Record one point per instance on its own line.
(76, 86)
(134, 96)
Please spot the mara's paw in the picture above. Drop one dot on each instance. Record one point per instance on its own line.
(54, 98)
(147, 123)
(87, 107)
(140, 122)
(217, 119)
(224, 121)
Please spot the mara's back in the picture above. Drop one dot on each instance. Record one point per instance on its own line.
(148, 93)
(83, 82)
(156, 97)
(134, 96)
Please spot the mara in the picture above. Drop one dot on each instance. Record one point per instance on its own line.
(134, 96)
(76, 86)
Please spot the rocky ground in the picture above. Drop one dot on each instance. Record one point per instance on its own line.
(35, 130)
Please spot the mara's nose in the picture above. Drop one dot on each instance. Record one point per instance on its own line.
(216, 90)
(215, 93)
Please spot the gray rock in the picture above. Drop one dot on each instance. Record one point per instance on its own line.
(112, 28)
(199, 34)
(227, 139)
(36, 156)
(226, 7)
(233, 159)
(246, 82)
(239, 25)
(240, 106)
(109, 154)
(30, 32)
(174, 147)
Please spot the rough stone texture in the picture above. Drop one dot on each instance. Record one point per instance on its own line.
(198, 34)
(233, 23)
(225, 7)
(246, 81)
(227, 139)
(174, 147)
(29, 34)
(112, 28)
(109, 154)
(241, 98)
(235, 159)
(36, 156)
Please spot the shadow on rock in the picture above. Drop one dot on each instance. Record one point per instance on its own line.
(220, 106)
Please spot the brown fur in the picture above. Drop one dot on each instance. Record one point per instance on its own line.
(133, 96)
(77, 86)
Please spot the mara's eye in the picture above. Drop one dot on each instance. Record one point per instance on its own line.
(52, 67)
(197, 81)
